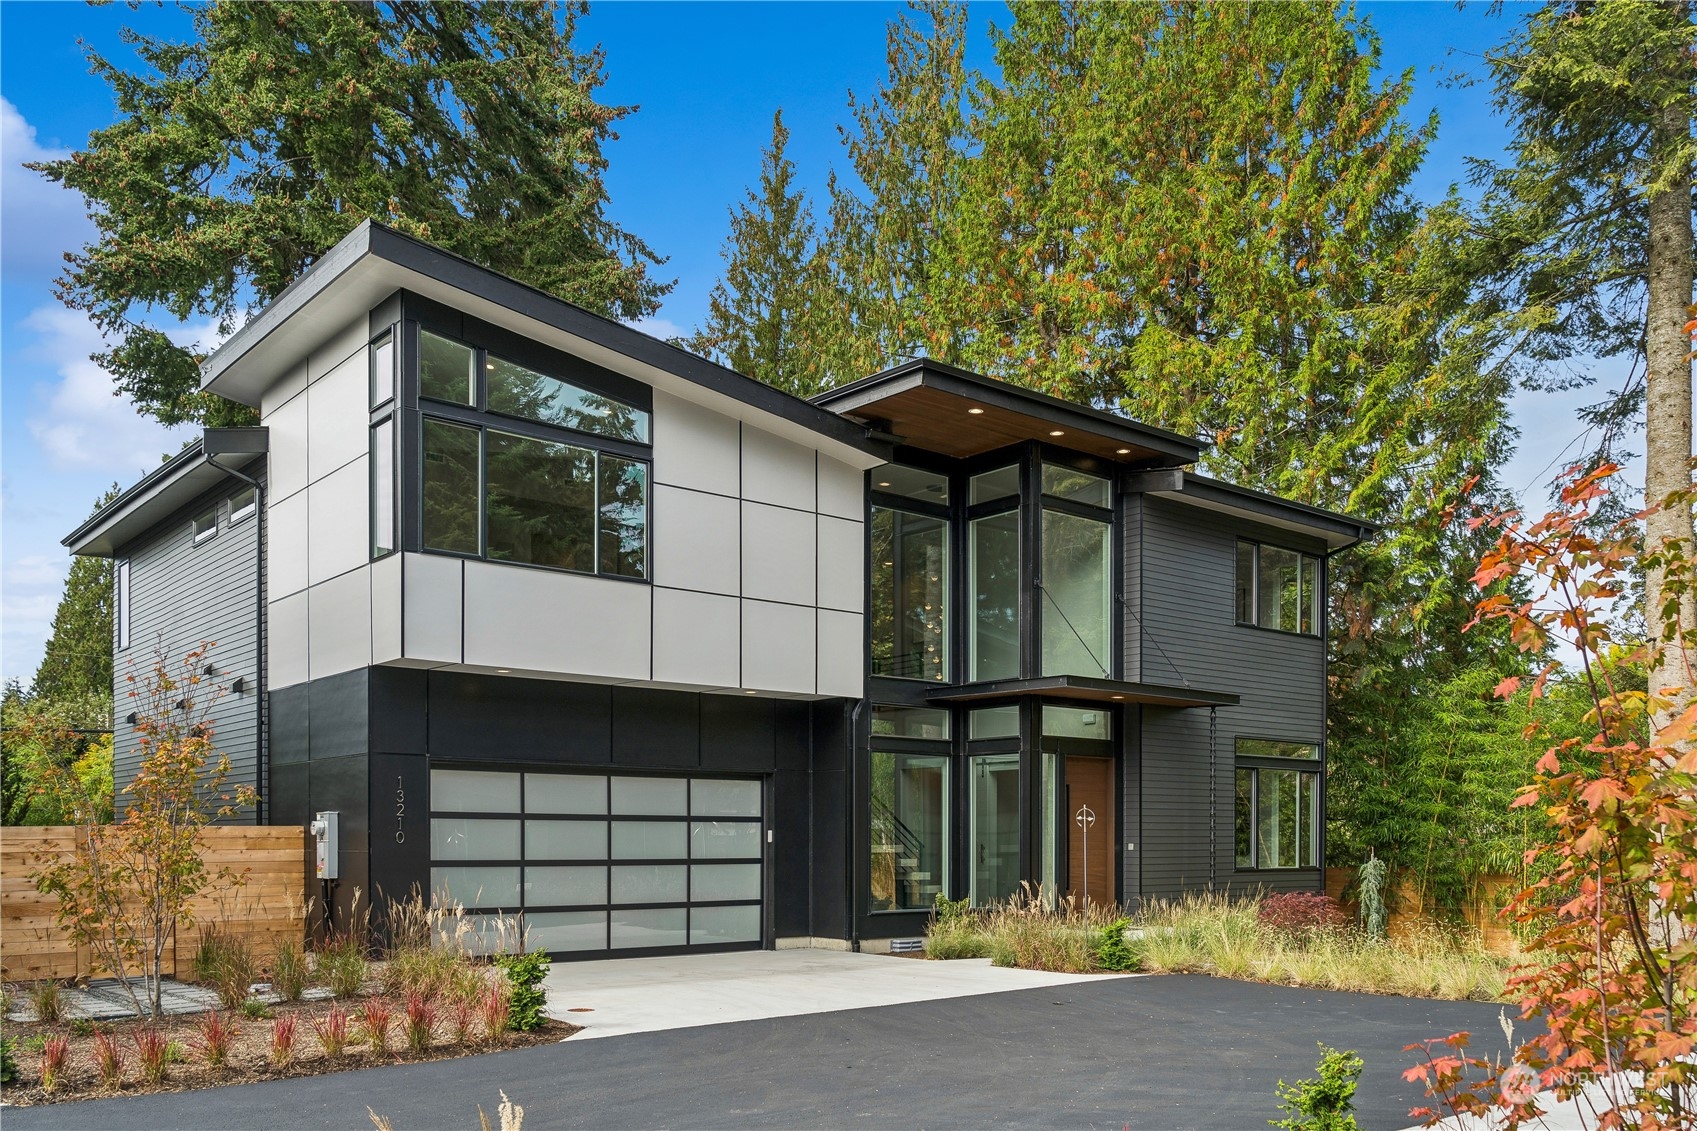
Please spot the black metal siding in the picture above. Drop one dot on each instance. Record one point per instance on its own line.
(1185, 599)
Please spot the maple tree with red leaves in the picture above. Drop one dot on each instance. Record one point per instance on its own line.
(1613, 983)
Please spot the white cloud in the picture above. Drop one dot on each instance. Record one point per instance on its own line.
(40, 220)
(81, 425)
(663, 328)
(32, 570)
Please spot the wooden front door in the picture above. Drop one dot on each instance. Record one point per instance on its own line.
(1091, 829)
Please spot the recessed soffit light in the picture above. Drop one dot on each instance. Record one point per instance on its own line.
(883, 483)
(1125, 451)
(976, 411)
(1057, 432)
(503, 671)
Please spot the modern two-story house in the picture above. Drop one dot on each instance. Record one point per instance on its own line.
(567, 623)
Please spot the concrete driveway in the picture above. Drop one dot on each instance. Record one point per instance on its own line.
(1167, 1052)
(619, 996)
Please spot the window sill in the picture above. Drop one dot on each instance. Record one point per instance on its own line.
(1279, 631)
(533, 565)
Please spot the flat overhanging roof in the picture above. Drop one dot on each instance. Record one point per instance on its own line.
(1083, 687)
(939, 408)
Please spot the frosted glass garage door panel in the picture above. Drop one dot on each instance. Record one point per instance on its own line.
(724, 925)
(650, 883)
(711, 882)
(656, 927)
(650, 840)
(565, 840)
(724, 840)
(565, 793)
(475, 887)
(467, 838)
(557, 887)
(566, 930)
(709, 798)
(651, 797)
(473, 791)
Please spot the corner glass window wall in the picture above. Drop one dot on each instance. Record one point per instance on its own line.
(909, 842)
(910, 594)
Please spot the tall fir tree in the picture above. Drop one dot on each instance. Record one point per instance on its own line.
(892, 225)
(757, 313)
(77, 662)
(1583, 244)
(240, 157)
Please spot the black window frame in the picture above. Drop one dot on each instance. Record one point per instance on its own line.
(1317, 614)
(422, 316)
(1254, 764)
(384, 411)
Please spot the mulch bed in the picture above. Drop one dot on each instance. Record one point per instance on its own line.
(250, 1053)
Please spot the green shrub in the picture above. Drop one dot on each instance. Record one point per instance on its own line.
(1113, 950)
(342, 964)
(289, 972)
(224, 961)
(526, 996)
(255, 1010)
(1323, 1104)
(46, 1000)
(8, 1061)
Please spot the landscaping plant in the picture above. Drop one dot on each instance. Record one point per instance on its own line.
(1323, 1104)
(8, 1061)
(289, 971)
(464, 1009)
(53, 1052)
(217, 1034)
(1370, 895)
(130, 886)
(342, 964)
(420, 1023)
(526, 996)
(47, 1001)
(1300, 911)
(1614, 991)
(108, 1060)
(1113, 950)
(332, 1031)
(255, 1009)
(224, 960)
(153, 1052)
(374, 1023)
(283, 1032)
(496, 1011)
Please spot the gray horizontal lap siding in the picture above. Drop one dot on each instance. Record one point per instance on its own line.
(183, 595)
(1185, 597)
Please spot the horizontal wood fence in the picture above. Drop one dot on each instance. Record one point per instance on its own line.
(266, 907)
(1406, 912)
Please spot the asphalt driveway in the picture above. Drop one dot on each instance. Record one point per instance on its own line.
(1157, 1052)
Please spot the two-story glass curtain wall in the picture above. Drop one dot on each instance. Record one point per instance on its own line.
(910, 573)
(993, 584)
(1076, 582)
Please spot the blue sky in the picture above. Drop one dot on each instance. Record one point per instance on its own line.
(707, 77)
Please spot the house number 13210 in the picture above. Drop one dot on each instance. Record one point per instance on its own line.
(400, 810)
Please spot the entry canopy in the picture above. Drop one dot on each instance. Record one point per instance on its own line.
(1082, 687)
(939, 408)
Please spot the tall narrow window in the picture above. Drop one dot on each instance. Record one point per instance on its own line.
(383, 539)
(995, 590)
(622, 503)
(910, 585)
(121, 598)
(383, 369)
(451, 492)
(1077, 593)
(909, 845)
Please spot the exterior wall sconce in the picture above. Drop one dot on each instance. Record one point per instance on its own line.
(238, 684)
(130, 718)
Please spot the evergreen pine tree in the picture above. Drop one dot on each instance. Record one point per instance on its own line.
(757, 309)
(77, 662)
(240, 157)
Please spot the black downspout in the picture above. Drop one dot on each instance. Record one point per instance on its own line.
(260, 644)
(853, 827)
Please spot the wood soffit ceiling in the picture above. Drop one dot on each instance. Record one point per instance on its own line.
(938, 421)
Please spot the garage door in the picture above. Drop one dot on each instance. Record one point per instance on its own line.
(602, 863)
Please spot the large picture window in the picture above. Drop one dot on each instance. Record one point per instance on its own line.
(1277, 818)
(1278, 589)
(910, 585)
(909, 845)
(555, 480)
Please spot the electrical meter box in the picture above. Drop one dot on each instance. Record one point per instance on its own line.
(327, 844)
